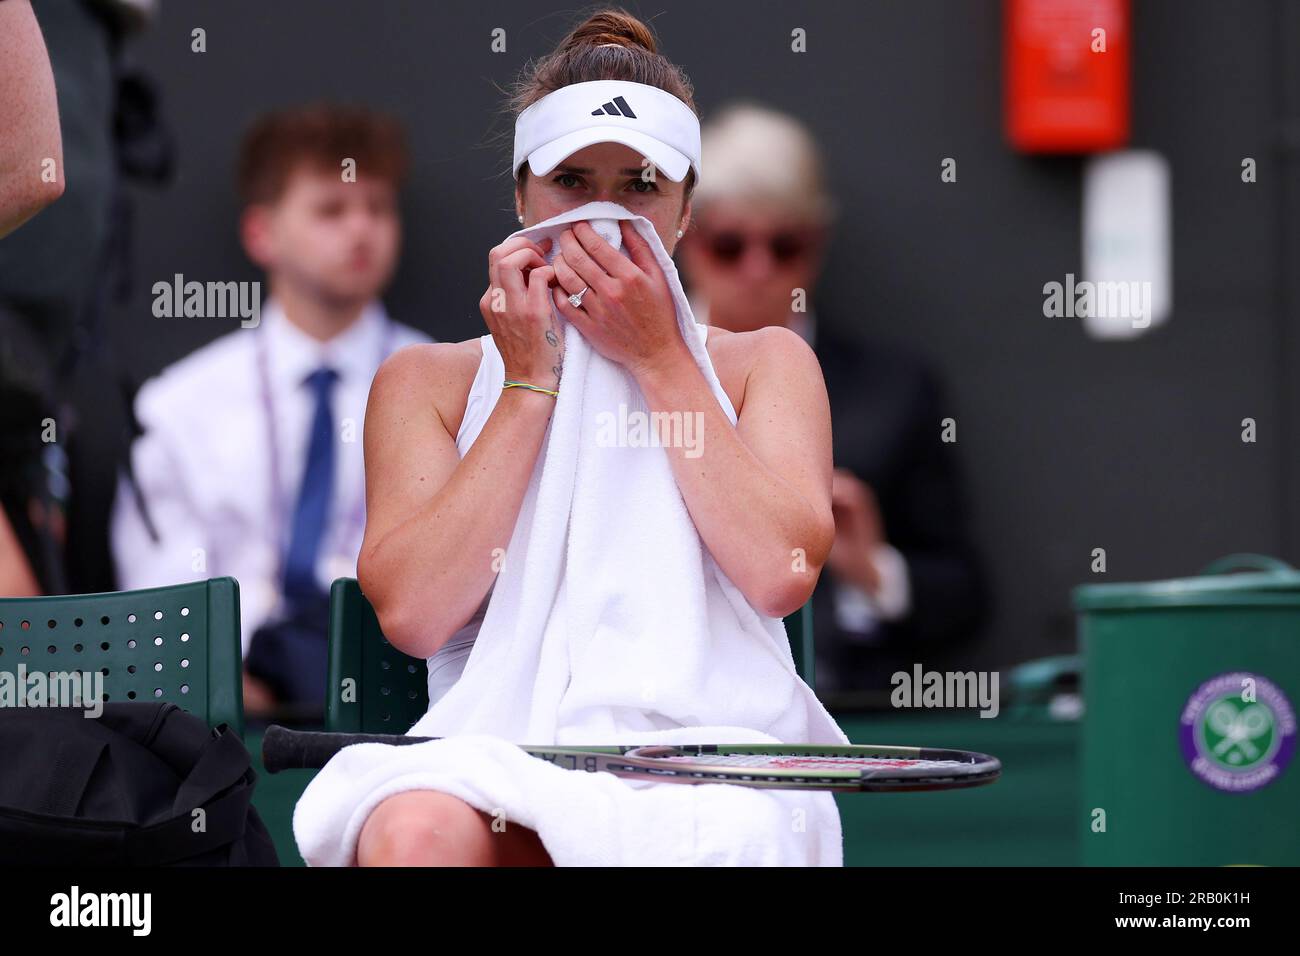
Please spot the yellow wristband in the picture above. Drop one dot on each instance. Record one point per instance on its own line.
(536, 388)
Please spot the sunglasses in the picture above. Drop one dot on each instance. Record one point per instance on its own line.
(728, 246)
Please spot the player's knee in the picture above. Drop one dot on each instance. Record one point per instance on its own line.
(423, 828)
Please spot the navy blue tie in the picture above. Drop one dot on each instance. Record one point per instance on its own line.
(312, 512)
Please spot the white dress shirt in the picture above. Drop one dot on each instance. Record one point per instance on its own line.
(857, 610)
(203, 462)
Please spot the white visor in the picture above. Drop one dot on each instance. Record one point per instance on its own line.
(651, 121)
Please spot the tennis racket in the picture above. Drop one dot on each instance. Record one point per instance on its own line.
(845, 769)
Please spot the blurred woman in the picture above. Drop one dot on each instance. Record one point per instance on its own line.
(903, 578)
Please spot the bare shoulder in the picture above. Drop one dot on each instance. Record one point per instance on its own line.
(429, 374)
(738, 355)
(767, 342)
(430, 362)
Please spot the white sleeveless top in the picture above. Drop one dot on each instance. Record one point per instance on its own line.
(448, 663)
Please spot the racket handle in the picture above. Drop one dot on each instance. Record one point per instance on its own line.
(284, 749)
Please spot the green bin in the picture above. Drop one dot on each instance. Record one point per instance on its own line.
(1189, 728)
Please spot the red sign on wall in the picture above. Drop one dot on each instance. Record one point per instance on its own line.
(1067, 74)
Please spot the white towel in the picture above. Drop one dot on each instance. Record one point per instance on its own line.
(610, 623)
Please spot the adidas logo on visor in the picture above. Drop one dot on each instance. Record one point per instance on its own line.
(618, 107)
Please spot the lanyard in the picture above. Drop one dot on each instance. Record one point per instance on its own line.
(279, 523)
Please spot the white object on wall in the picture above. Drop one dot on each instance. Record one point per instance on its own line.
(1127, 236)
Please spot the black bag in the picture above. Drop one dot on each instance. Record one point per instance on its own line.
(121, 790)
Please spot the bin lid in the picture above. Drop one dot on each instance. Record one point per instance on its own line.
(1280, 585)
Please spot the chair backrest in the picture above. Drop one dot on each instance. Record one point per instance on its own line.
(799, 629)
(374, 688)
(179, 644)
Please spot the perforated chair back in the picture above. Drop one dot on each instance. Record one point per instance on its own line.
(376, 689)
(179, 644)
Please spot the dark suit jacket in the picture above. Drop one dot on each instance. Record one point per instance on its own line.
(886, 409)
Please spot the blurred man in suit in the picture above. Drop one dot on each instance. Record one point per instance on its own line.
(250, 463)
(902, 578)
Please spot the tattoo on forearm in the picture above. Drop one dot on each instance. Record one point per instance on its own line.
(553, 339)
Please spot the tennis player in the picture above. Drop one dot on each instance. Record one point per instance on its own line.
(434, 509)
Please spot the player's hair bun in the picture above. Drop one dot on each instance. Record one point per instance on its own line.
(611, 27)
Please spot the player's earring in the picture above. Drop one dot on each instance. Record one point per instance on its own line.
(521, 220)
(680, 233)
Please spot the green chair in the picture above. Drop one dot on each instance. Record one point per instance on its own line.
(388, 691)
(179, 643)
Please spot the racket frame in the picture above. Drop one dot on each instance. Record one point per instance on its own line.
(289, 749)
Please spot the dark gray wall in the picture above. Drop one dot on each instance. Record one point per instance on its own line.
(1068, 444)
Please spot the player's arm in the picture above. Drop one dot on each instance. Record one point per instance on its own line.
(31, 148)
(437, 525)
(760, 493)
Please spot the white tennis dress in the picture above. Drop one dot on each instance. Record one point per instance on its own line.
(448, 662)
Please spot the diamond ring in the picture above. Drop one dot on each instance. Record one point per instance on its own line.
(575, 300)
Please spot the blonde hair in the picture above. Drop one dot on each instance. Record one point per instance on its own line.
(754, 153)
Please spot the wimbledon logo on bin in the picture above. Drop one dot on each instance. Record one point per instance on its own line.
(1234, 740)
